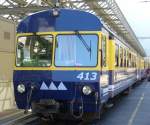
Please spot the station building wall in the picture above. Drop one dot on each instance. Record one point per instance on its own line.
(7, 49)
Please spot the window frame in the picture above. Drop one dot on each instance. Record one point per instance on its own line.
(125, 58)
(26, 35)
(104, 40)
(116, 55)
(75, 34)
(121, 54)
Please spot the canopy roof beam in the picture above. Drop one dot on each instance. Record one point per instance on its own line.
(107, 10)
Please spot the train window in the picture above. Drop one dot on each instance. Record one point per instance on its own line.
(130, 64)
(121, 57)
(104, 46)
(125, 58)
(76, 50)
(133, 61)
(34, 51)
(117, 56)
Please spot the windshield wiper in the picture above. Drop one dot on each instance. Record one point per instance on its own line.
(83, 41)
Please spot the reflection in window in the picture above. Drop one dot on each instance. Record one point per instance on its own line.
(130, 64)
(121, 57)
(104, 51)
(117, 55)
(124, 58)
(132, 61)
(76, 50)
(34, 51)
(127, 59)
(135, 62)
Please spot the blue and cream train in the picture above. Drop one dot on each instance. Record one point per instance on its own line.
(67, 65)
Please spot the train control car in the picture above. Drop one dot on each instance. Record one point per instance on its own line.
(66, 65)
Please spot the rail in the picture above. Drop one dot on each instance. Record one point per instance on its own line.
(22, 120)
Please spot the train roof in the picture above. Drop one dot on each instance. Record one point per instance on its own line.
(67, 20)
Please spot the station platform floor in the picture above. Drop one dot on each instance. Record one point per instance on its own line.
(9, 114)
(132, 109)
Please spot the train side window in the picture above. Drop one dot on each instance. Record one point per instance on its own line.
(117, 56)
(135, 61)
(131, 60)
(136, 64)
(130, 65)
(104, 50)
(125, 58)
(128, 59)
(121, 57)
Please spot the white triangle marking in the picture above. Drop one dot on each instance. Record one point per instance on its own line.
(52, 86)
(44, 86)
(62, 86)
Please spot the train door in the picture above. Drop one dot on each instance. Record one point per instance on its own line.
(104, 78)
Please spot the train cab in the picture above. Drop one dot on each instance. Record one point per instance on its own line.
(67, 65)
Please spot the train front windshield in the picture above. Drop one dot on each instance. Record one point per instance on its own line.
(34, 51)
(71, 50)
(76, 50)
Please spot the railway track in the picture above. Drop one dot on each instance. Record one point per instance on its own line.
(31, 119)
(27, 119)
(64, 122)
(20, 118)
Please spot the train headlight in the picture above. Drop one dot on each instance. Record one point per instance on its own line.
(55, 12)
(87, 90)
(21, 88)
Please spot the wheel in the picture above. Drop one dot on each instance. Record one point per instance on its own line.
(35, 108)
(88, 117)
(128, 90)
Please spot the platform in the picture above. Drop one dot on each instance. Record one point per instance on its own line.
(132, 109)
(9, 115)
(6, 95)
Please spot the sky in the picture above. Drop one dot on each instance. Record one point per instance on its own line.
(137, 14)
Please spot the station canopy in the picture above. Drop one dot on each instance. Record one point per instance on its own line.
(107, 10)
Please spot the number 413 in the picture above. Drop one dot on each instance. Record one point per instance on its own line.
(87, 76)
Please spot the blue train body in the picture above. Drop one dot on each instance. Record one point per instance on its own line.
(62, 85)
(48, 86)
(68, 20)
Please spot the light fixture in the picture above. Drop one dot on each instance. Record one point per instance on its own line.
(87, 90)
(55, 12)
(21, 88)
